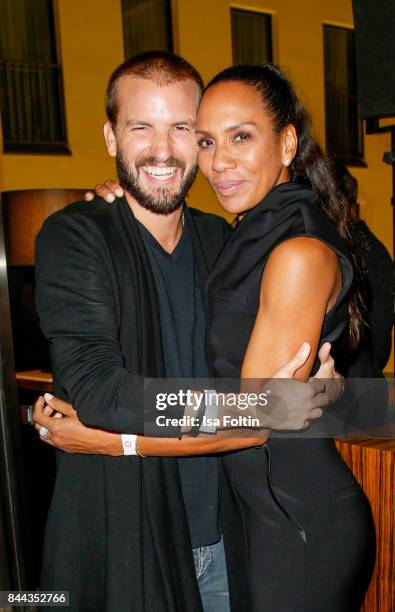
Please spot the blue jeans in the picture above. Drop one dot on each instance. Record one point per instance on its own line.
(212, 578)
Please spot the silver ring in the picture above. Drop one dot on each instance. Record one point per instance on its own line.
(43, 433)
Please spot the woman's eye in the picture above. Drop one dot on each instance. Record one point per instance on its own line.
(241, 137)
(204, 143)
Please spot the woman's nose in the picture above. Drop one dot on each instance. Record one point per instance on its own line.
(222, 159)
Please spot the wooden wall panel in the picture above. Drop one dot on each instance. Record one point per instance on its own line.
(24, 213)
(373, 464)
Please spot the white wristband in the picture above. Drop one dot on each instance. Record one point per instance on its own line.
(129, 444)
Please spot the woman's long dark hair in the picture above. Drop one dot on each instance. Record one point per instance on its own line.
(310, 165)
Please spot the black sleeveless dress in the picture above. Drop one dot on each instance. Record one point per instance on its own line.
(303, 521)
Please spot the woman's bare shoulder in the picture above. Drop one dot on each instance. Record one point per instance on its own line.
(303, 253)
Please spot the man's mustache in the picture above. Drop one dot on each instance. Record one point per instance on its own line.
(170, 162)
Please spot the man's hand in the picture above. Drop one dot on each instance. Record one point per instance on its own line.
(332, 380)
(109, 190)
(294, 404)
(291, 404)
(296, 362)
(67, 433)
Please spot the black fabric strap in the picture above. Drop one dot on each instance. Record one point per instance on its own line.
(194, 431)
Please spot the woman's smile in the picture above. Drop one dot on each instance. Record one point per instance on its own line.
(228, 187)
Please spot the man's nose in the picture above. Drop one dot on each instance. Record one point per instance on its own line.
(222, 159)
(161, 146)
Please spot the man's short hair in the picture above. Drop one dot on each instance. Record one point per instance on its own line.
(162, 67)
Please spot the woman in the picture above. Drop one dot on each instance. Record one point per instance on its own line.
(284, 277)
(284, 274)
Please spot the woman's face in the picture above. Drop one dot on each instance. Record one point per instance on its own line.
(239, 152)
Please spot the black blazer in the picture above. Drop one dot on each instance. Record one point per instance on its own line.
(116, 535)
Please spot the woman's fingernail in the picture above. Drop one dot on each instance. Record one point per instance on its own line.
(119, 192)
(48, 397)
(110, 197)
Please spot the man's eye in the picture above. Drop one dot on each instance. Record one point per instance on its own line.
(182, 128)
(139, 128)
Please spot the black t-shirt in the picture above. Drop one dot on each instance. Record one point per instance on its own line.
(183, 324)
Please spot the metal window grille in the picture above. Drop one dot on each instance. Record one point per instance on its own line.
(146, 26)
(31, 88)
(251, 37)
(344, 128)
(32, 106)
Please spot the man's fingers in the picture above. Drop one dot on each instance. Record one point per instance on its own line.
(59, 405)
(316, 385)
(316, 413)
(320, 401)
(324, 352)
(297, 361)
(327, 367)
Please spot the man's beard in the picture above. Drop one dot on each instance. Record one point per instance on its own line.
(161, 201)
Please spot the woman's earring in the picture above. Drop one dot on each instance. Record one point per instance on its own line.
(287, 162)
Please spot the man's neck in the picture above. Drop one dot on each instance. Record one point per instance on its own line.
(166, 229)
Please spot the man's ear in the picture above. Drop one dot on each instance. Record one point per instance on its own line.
(109, 137)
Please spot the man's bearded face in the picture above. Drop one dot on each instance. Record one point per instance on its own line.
(154, 141)
(163, 197)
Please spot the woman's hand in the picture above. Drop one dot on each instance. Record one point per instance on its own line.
(67, 433)
(109, 190)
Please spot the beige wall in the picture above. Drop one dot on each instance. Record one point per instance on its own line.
(205, 40)
(90, 42)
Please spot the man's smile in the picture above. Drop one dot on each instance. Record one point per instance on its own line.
(160, 172)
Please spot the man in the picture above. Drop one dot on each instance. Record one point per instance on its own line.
(120, 297)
